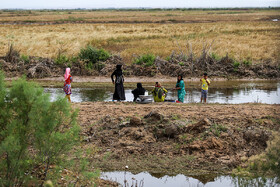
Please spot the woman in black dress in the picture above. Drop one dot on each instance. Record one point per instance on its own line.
(138, 91)
(119, 89)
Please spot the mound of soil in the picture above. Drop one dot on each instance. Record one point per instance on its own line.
(38, 67)
(157, 140)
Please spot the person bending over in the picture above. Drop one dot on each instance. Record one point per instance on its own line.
(159, 93)
(138, 91)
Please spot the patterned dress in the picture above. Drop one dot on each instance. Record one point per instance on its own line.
(67, 85)
(182, 91)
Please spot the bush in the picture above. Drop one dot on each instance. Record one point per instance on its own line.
(25, 59)
(168, 58)
(93, 55)
(61, 59)
(181, 63)
(236, 64)
(146, 60)
(215, 56)
(247, 62)
(34, 133)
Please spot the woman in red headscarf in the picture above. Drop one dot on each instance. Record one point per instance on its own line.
(67, 83)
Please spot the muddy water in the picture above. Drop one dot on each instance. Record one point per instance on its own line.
(251, 92)
(146, 179)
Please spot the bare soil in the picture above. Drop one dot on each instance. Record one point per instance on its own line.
(176, 138)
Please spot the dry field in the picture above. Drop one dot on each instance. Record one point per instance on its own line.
(243, 34)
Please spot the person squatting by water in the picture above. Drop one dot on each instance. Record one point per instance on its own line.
(138, 91)
(180, 87)
(67, 84)
(119, 94)
(205, 82)
(159, 93)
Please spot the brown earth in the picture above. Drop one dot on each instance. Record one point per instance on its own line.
(177, 65)
(176, 138)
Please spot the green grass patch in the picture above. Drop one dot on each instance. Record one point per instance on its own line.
(145, 60)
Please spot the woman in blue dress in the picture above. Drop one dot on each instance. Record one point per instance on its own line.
(180, 87)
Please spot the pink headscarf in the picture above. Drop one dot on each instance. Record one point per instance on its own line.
(67, 73)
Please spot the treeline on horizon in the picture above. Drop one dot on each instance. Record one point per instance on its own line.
(141, 9)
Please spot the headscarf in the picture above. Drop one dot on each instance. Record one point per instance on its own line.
(139, 85)
(67, 73)
(118, 70)
(140, 88)
(119, 67)
(180, 79)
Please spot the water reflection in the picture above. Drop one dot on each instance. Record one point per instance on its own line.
(209, 180)
(219, 95)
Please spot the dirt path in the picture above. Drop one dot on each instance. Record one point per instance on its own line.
(176, 138)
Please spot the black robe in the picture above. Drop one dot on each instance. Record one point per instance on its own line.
(119, 94)
(138, 91)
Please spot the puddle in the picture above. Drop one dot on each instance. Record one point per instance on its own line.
(145, 179)
(244, 93)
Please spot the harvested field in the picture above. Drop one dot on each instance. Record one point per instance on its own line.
(243, 34)
(176, 138)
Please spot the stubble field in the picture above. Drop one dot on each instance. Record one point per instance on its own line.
(242, 34)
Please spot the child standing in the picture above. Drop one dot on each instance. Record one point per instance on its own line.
(204, 88)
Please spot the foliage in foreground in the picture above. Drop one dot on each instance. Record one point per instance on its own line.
(36, 135)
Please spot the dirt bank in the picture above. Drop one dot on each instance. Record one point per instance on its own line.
(176, 138)
(36, 67)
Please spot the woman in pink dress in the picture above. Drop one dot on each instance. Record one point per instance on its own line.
(67, 83)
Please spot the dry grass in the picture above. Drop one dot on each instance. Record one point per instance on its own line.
(248, 38)
(139, 16)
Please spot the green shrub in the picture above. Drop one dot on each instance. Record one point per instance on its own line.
(98, 66)
(247, 62)
(35, 133)
(215, 56)
(25, 58)
(236, 64)
(92, 55)
(61, 59)
(181, 63)
(168, 58)
(145, 60)
(89, 65)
